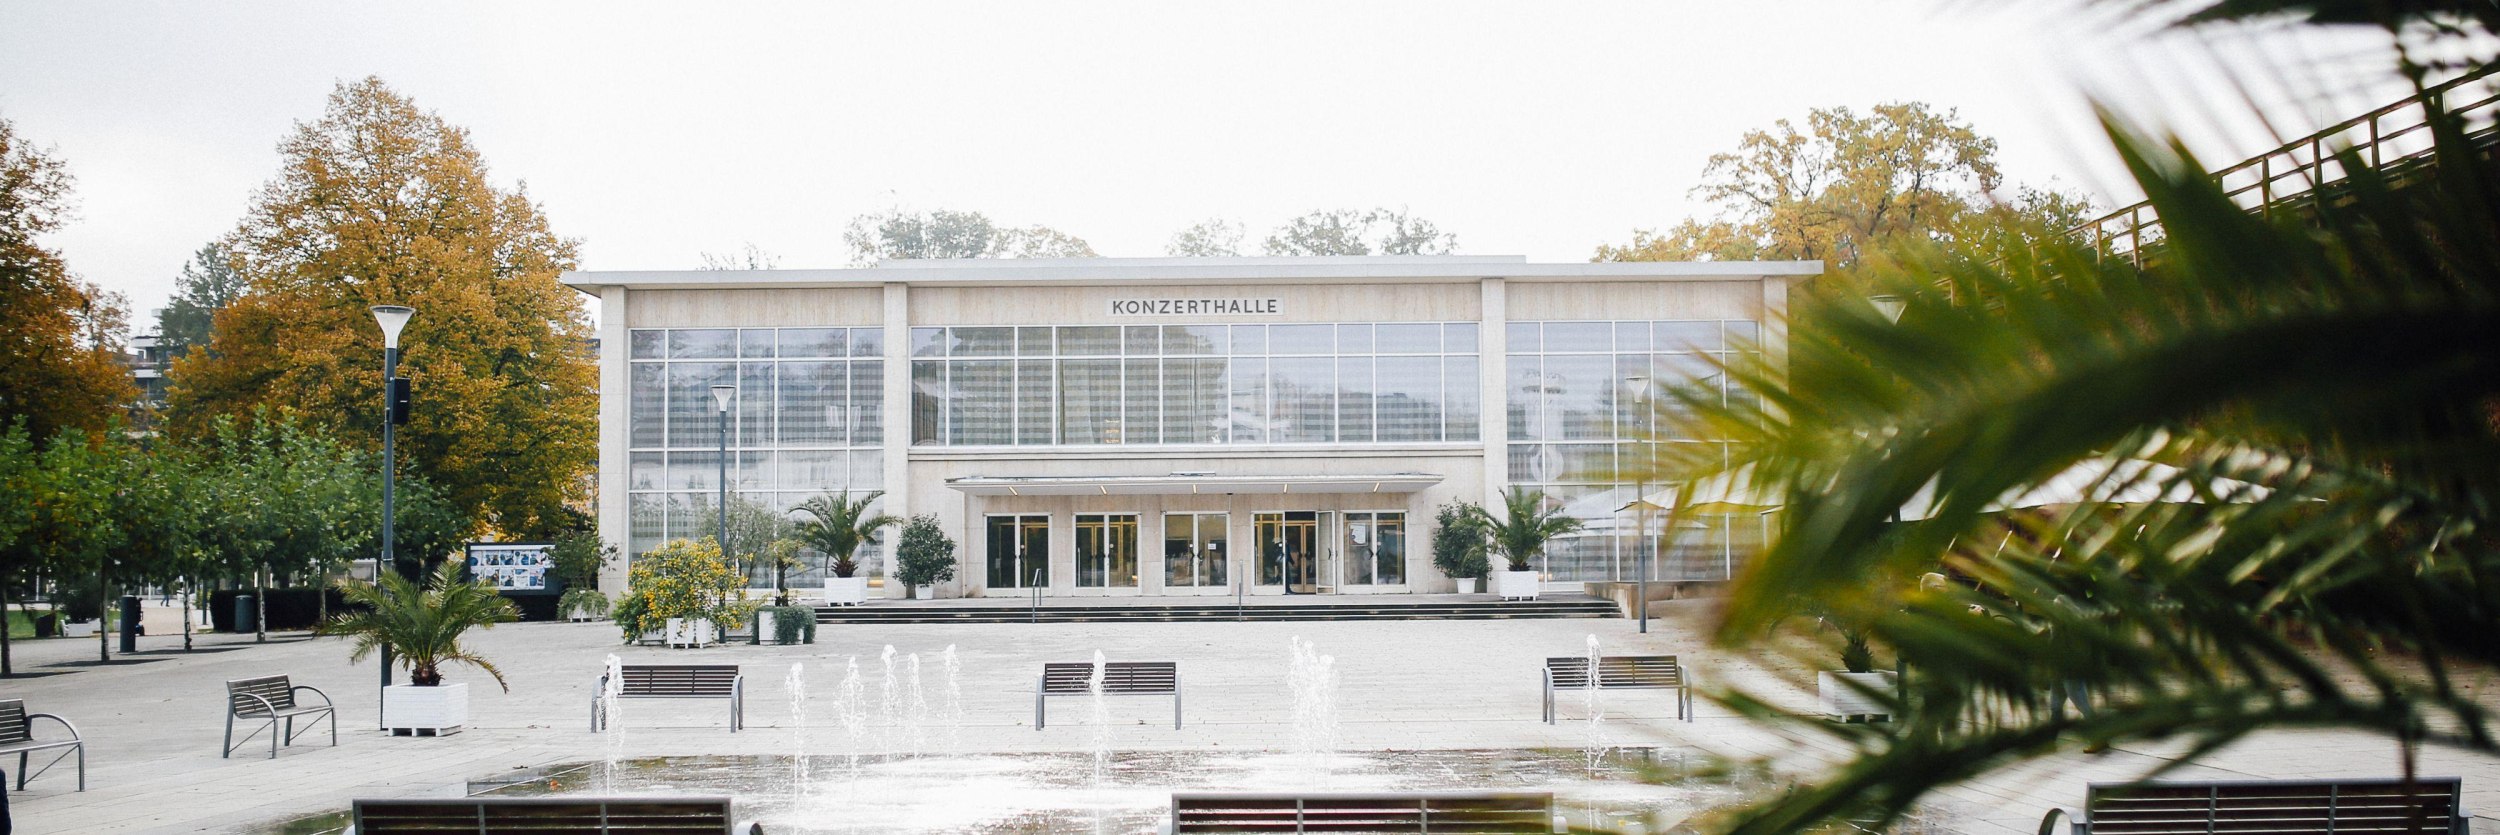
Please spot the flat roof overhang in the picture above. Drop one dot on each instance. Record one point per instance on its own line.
(1187, 484)
(1161, 272)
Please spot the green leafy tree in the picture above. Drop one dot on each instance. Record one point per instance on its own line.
(579, 558)
(60, 366)
(287, 501)
(951, 234)
(421, 624)
(380, 202)
(208, 283)
(2318, 386)
(1846, 185)
(1216, 238)
(763, 542)
(1530, 520)
(924, 555)
(837, 525)
(1351, 232)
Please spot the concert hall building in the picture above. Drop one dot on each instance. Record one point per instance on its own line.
(1171, 426)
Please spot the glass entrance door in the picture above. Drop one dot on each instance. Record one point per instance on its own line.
(1375, 548)
(1193, 549)
(1019, 554)
(1288, 550)
(1106, 550)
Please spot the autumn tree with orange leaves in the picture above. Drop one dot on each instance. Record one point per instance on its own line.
(60, 362)
(380, 202)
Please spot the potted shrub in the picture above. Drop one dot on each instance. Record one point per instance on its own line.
(582, 603)
(1527, 524)
(837, 526)
(422, 625)
(785, 625)
(1458, 546)
(577, 560)
(1855, 690)
(924, 556)
(680, 589)
(81, 608)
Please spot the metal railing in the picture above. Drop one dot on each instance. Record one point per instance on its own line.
(2390, 135)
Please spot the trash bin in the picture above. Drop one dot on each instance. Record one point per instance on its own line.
(47, 625)
(130, 623)
(245, 615)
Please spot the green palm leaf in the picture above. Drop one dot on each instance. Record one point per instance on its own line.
(421, 624)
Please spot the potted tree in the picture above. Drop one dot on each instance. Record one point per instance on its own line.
(684, 589)
(422, 624)
(924, 556)
(1458, 546)
(578, 558)
(1854, 691)
(837, 526)
(1527, 523)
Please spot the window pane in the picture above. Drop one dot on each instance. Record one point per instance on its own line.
(980, 342)
(1143, 341)
(1526, 396)
(1302, 339)
(1034, 418)
(646, 413)
(1389, 547)
(811, 342)
(755, 343)
(647, 471)
(1581, 395)
(867, 470)
(1193, 339)
(928, 342)
(1523, 338)
(1410, 339)
(749, 471)
(1743, 333)
(1142, 421)
(1305, 395)
(1246, 411)
(1410, 399)
(692, 419)
(693, 470)
(866, 412)
(754, 406)
(811, 402)
(812, 470)
(1563, 337)
(646, 522)
(867, 342)
(1193, 401)
(702, 344)
(1632, 337)
(1460, 402)
(1459, 337)
(1688, 336)
(1354, 399)
(1033, 342)
(1089, 401)
(1095, 341)
(928, 401)
(1249, 339)
(980, 412)
(1354, 339)
(648, 344)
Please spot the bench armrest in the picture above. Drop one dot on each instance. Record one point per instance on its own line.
(325, 697)
(747, 828)
(2074, 823)
(30, 721)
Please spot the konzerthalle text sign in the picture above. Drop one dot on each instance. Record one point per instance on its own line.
(1197, 307)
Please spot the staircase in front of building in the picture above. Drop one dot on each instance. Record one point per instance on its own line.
(1212, 610)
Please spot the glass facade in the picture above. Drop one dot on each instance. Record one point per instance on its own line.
(1193, 549)
(1375, 548)
(808, 420)
(1403, 382)
(1581, 397)
(1106, 550)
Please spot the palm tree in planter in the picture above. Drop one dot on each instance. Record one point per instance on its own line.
(422, 624)
(837, 526)
(1528, 522)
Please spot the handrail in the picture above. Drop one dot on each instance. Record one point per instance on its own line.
(2132, 229)
(1037, 595)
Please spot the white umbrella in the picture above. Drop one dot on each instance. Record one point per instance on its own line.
(2103, 480)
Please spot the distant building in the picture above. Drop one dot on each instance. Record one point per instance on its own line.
(147, 360)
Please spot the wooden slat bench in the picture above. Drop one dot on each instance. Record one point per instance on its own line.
(271, 699)
(17, 736)
(1119, 678)
(1620, 672)
(571, 815)
(2429, 806)
(1362, 812)
(676, 681)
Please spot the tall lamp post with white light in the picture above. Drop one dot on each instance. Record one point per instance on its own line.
(722, 396)
(1640, 505)
(392, 318)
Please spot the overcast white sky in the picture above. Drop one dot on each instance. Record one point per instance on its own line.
(657, 132)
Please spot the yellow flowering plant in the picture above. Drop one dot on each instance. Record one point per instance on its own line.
(681, 579)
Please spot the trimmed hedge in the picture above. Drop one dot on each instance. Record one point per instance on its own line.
(295, 608)
(791, 624)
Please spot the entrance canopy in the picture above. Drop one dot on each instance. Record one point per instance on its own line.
(1186, 484)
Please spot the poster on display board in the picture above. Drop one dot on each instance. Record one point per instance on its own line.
(514, 567)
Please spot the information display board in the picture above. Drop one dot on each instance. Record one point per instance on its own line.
(513, 567)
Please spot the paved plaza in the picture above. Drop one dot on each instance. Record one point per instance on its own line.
(154, 726)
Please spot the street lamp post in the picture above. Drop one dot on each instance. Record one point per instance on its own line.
(392, 318)
(722, 396)
(1640, 505)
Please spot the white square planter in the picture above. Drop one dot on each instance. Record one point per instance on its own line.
(764, 630)
(846, 591)
(1515, 585)
(409, 710)
(924, 592)
(1468, 585)
(80, 628)
(1841, 699)
(696, 632)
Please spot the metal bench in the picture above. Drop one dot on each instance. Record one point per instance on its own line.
(675, 681)
(2429, 806)
(271, 699)
(585, 815)
(1119, 678)
(1620, 672)
(17, 736)
(1362, 812)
